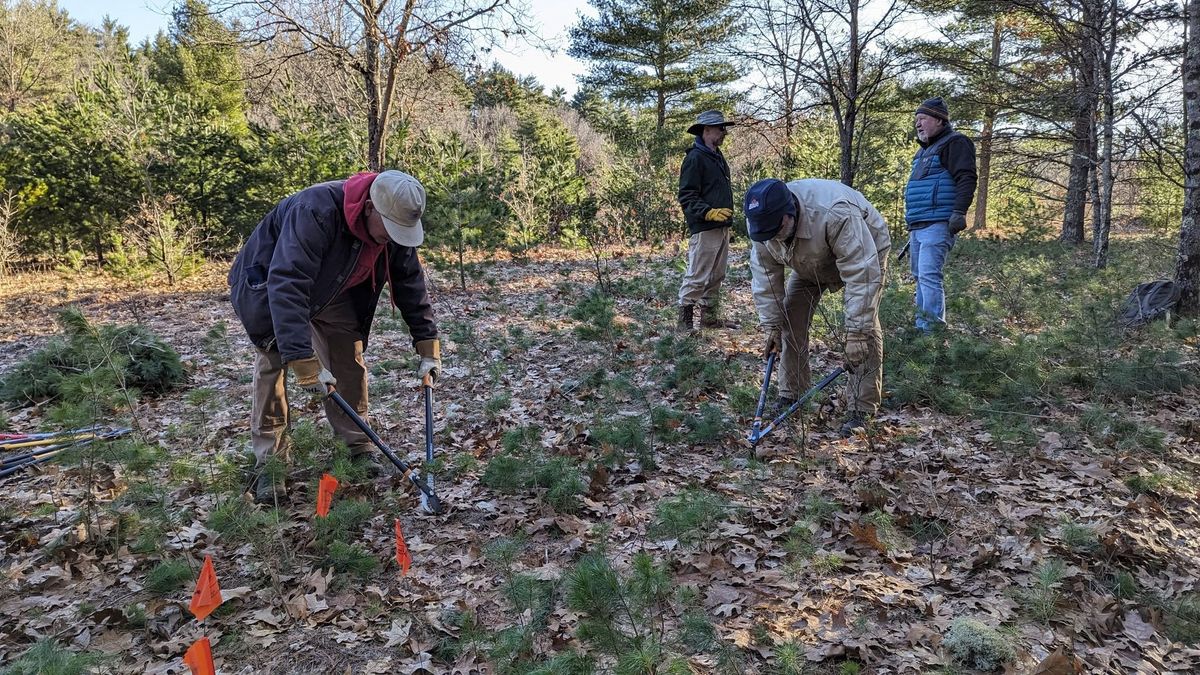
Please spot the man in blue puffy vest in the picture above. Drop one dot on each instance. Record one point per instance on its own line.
(939, 192)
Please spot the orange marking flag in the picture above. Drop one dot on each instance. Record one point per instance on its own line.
(402, 555)
(325, 494)
(199, 658)
(208, 592)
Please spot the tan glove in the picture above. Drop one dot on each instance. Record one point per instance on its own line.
(311, 376)
(719, 215)
(431, 359)
(773, 343)
(858, 347)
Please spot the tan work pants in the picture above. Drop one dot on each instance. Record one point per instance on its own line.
(339, 345)
(864, 387)
(708, 258)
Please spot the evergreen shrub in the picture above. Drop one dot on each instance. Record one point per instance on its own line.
(132, 354)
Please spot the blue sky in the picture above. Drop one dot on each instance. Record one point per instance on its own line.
(553, 18)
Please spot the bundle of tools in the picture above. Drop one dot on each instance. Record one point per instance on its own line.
(32, 449)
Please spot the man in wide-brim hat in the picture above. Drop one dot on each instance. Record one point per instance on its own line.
(706, 195)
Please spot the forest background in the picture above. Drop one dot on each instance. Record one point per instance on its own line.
(119, 154)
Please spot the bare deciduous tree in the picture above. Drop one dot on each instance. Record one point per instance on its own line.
(36, 52)
(774, 47)
(8, 234)
(848, 64)
(375, 42)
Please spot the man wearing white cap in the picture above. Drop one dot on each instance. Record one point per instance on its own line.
(305, 287)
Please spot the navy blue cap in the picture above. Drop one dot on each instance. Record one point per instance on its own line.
(767, 202)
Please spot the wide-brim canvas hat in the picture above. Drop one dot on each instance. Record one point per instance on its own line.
(708, 118)
(400, 200)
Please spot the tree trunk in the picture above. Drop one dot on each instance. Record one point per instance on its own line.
(848, 165)
(1084, 128)
(370, 74)
(1187, 266)
(985, 138)
(1104, 207)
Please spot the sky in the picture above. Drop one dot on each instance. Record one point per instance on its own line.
(552, 18)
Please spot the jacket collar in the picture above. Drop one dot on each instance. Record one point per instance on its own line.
(945, 130)
(704, 148)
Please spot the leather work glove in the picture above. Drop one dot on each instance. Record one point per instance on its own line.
(719, 215)
(773, 344)
(958, 222)
(311, 376)
(431, 359)
(858, 346)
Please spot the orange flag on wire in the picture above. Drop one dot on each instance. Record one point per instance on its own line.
(199, 658)
(325, 494)
(402, 555)
(208, 592)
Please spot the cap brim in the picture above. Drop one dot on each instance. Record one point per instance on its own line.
(764, 228)
(411, 236)
(697, 128)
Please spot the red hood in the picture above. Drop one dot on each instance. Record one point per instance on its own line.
(357, 191)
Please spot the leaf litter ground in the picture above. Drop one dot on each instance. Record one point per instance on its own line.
(861, 550)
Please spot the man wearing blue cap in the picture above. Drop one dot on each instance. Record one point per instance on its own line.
(706, 195)
(831, 237)
(939, 192)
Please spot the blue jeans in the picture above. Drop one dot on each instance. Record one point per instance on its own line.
(928, 249)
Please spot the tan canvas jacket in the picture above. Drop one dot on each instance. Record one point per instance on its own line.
(841, 240)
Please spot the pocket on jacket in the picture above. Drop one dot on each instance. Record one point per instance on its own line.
(256, 277)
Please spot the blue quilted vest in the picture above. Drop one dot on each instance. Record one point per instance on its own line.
(929, 195)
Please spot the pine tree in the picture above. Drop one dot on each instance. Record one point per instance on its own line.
(665, 53)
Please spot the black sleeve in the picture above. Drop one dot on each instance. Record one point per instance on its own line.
(691, 185)
(958, 156)
(410, 294)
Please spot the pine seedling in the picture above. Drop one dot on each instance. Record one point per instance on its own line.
(238, 521)
(48, 657)
(1183, 619)
(789, 659)
(1078, 537)
(690, 517)
(1041, 599)
(168, 576)
(351, 559)
(344, 521)
(597, 316)
(709, 425)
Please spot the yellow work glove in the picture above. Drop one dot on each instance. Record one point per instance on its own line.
(311, 376)
(858, 347)
(719, 215)
(773, 343)
(431, 359)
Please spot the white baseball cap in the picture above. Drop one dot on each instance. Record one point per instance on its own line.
(400, 200)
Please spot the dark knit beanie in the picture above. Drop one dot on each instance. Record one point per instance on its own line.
(935, 107)
(766, 203)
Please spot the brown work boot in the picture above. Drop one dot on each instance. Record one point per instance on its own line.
(686, 321)
(857, 422)
(709, 318)
(267, 491)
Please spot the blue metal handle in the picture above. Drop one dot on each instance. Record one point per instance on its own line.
(762, 398)
(825, 382)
